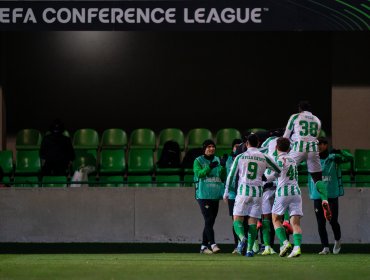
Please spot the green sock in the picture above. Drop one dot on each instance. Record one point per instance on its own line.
(280, 232)
(266, 232)
(322, 189)
(286, 216)
(252, 233)
(297, 239)
(239, 229)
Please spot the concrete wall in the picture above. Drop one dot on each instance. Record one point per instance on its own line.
(142, 215)
(351, 117)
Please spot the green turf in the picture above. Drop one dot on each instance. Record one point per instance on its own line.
(182, 266)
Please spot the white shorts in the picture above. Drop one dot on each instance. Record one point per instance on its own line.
(267, 201)
(312, 158)
(292, 202)
(248, 206)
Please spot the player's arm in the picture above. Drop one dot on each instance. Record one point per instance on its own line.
(272, 165)
(200, 171)
(290, 126)
(231, 177)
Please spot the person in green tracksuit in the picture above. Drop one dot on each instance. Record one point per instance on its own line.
(209, 175)
(331, 172)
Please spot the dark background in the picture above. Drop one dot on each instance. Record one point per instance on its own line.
(181, 79)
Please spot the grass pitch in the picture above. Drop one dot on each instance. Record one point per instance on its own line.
(182, 266)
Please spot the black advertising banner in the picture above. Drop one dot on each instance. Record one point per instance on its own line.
(252, 15)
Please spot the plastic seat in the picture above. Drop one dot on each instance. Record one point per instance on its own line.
(28, 139)
(347, 168)
(28, 162)
(84, 158)
(142, 138)
(139, 181)
(54, 181)
(256, 129)
(112, 161)
(189, 180)
(140, 161)
(65, 133)
(362, 161)
(173, 134)
(86, 138)
(111, 181)
(168, 181)
(114, 138)
(362, 180)
(221, 151)
(303, 180)
(6, 162)
(197, 136)
(26, 181)
(322, 133)
(226, 136)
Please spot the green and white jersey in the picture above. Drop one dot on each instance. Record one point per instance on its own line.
(303, 129)
(269, 146)
(250, 167)
(288, 180)
(232, 189)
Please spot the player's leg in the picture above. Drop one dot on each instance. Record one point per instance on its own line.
(252, 234)
(295, 211)
(321, 226)
(214, 205)
(314, 168)
(278, 211)
(203, 204)
(335, 225)
(231, 203)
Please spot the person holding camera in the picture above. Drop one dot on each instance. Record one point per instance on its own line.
(331, 173)
(209, 174)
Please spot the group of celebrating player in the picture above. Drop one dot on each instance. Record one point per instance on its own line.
(264, 183)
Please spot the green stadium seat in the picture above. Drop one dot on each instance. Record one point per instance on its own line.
(225, 137)
(112, 161)
(255, 130)
(26, 181)
(140, 161)
(347, 168)
(54, 181)
(86, 138)
(362, 181)
(362, 161)
(65, 133)
(111, 181)
(302, 168)
(114, 138)
(28, 162)
(6, 162)
(221, 151)
(347, 181)
(28, 139)
(168, 181)
(142, 138)
(173, 134)
(189, 181)
(84, 158)
(197, 136)
(139, 181)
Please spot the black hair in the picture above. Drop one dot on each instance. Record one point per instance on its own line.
(283, 144)
(323, 140)
(278, 132)
(305, 105)
(253, 140)
(236, 141)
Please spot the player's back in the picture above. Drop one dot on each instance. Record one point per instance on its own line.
(288, 180)
(251, 164)
(306, 127)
